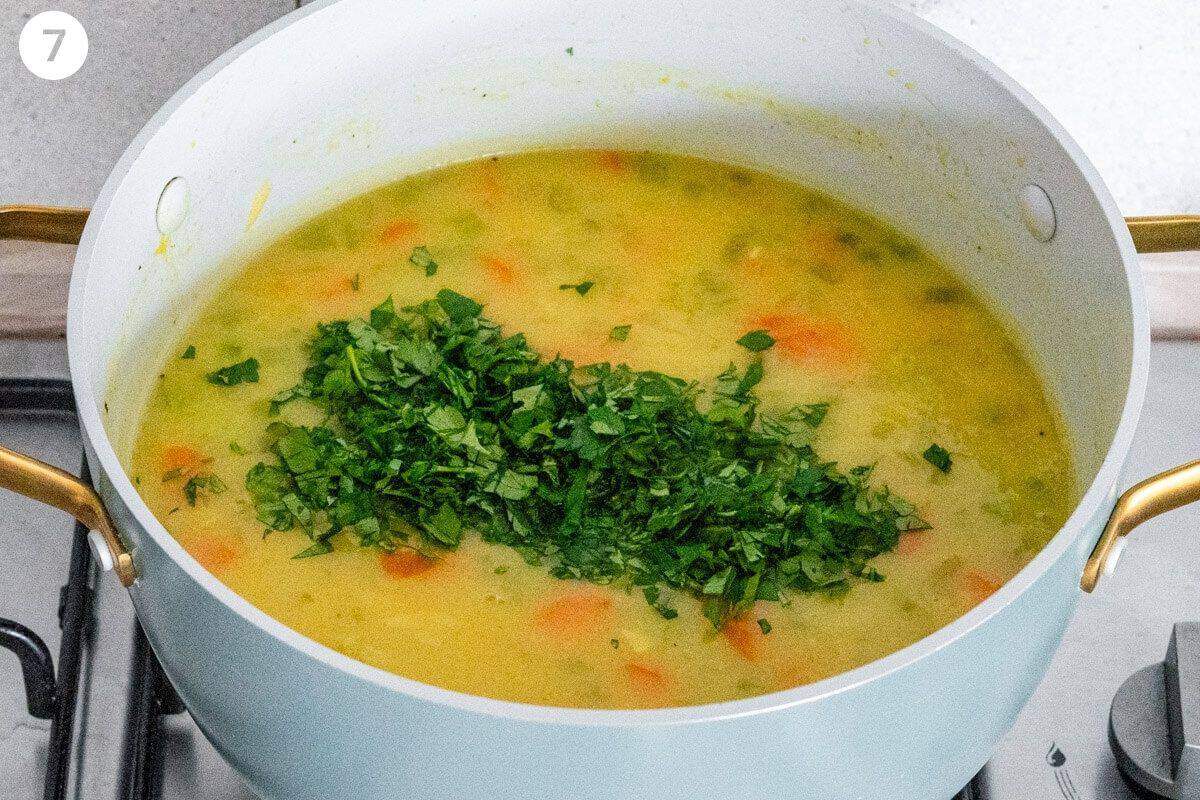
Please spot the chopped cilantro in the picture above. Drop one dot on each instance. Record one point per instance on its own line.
(436, 423)
(620, 333)
(421, 257)
(189, 353)
(764, 626)
(570, 51)
(757, 341)
(938, 456)
(581, 288)
(237, 449)
(241, 372)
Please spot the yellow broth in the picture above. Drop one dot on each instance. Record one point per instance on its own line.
(691, 254)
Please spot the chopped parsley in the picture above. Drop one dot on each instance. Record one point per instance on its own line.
(938, 456)
(570, 51)
(205, 482)
(241, 372)
(437, 423)
(764, 626)
(757, 341)
(237, 449)
(620, 333)
(421, 257)
(189, 352)
(581, 288)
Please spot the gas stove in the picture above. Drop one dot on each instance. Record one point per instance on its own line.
(107, 724)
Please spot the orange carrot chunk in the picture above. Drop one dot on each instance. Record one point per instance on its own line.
(912, 542)
(744, 636)
(646, 677)
(406, 563)
(611, 160)
(575, 614)
(499, 270)
(806, 340)
(397, 231)
(183, 458)
(214, 554)
(978, 586)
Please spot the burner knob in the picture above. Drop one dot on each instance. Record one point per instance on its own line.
(1154, 724)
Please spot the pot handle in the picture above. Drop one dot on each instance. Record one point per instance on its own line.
(1175, 487)
(52, 486)
(28, 476)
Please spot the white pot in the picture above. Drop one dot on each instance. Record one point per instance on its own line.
(855, 98)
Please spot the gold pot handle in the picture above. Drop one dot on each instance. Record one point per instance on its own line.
(1169, 234)
(42, 223)
(52, 486)
(37, 479)
(1156, 495)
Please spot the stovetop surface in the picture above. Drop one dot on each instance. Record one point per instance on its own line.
(1058, 747)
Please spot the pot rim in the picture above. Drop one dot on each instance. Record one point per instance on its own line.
(1098, 495)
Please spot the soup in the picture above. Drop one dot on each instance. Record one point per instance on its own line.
(771, 331)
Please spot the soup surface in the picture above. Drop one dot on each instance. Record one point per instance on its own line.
(661, 263)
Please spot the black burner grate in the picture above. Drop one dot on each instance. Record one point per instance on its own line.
(54, 693)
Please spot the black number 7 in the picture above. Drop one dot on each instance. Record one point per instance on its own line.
(60, 33)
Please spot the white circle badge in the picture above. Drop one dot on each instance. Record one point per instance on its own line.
(53, 45)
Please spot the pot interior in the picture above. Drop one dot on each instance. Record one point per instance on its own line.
(852, 100)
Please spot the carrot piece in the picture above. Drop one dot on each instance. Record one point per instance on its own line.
(646, 677)
(612, 160)
(183, 458)
(744, 636)
(498, 269)
(406, 563)
(978, 586)
(396, 231)
(805, 340)
(215, 554)
(575, 614)
(489, 186)
(912, 542)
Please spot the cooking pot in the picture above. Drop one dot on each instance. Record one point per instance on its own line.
(856, 98)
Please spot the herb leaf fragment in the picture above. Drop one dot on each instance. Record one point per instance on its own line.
(938, 456)
(241, 372)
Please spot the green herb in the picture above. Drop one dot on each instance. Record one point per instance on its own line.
(570, 51)
(764, 626)
(236, 448)
(616, 643)
(172, 474)
(355, 282)
(206, 482)
(500, 570)
(938, 456)
(757, 341)
(436, 424)
(581, 288)
(421, 257)
(189, 353)
(620, 333)
(241, 372)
